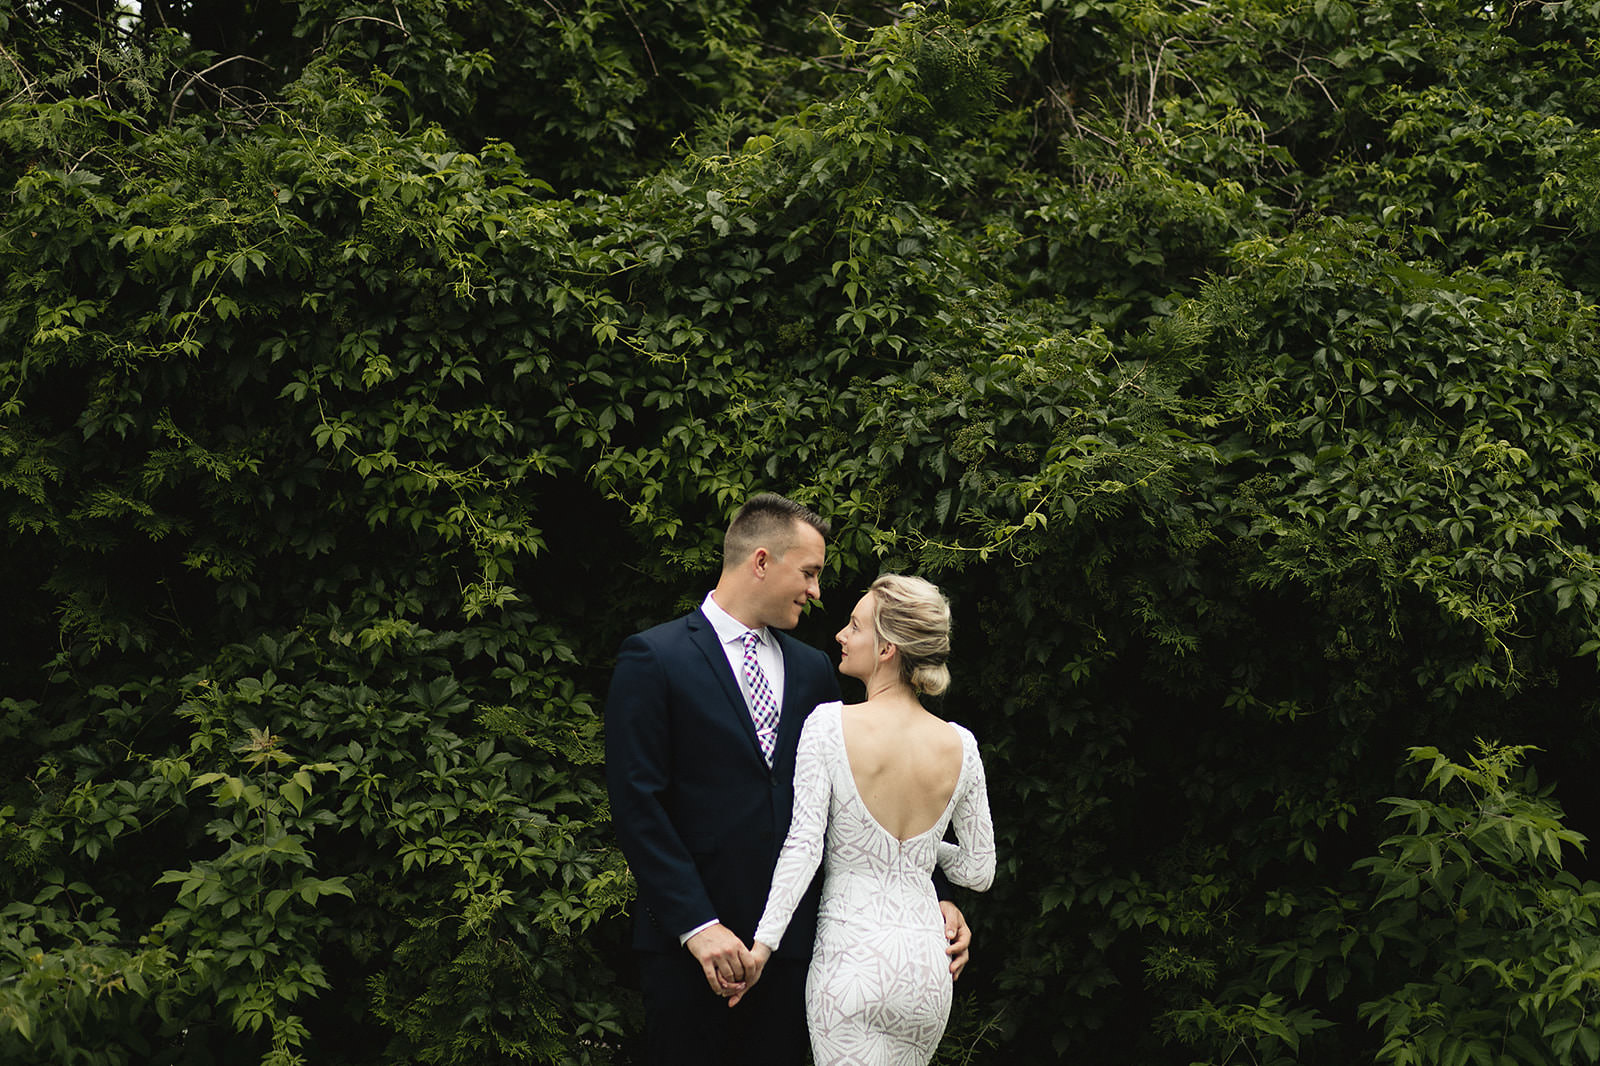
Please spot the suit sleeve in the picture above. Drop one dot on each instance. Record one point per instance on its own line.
(638, 772)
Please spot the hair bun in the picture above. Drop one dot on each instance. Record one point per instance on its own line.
(914, 616)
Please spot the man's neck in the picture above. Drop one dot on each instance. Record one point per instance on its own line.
(739, 610)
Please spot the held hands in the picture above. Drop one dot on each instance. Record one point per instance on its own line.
(732, 970)
(754, 960)
(752, 972)
(724, 960)
(959, 935)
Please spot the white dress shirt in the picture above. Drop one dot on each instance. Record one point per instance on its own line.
(730, 634)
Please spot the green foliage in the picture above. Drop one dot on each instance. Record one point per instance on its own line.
(1502, 944)
(1467, 941)
(365, 375)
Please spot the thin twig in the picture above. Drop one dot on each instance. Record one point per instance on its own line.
(172, 112)
(1307, 75)
(27, 83)
(648, 54)
(370, 18)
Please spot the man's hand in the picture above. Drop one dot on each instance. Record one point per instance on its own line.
(960, 937)
(722, 956)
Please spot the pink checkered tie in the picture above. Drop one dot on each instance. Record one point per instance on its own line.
(764, 709)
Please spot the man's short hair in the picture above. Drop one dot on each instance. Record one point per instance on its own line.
(767, 521)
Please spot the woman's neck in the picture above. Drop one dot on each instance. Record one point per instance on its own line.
(890, 689)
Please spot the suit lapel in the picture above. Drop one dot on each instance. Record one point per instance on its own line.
(792, 716)
(704, 637)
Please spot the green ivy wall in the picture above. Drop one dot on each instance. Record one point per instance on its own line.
(367, 372)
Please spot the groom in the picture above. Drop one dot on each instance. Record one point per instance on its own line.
(702, 725)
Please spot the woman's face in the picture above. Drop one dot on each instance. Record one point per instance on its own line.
(858, 642)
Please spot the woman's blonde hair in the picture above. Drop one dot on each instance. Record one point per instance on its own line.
(914, 616)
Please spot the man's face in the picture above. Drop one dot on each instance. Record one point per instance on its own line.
(791, 580)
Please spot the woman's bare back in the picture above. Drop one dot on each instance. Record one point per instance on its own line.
(905, 761)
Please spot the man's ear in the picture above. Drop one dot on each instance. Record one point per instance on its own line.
(758, 561)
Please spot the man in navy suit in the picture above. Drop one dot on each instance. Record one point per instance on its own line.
(702, 725)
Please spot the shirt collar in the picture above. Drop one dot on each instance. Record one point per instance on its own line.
(727, 626)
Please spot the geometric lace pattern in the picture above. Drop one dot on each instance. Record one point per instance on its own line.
(878, 991)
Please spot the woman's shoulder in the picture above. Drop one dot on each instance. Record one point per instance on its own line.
(969, 741)
(822, 714)
(967, 736)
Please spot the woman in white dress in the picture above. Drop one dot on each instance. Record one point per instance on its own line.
(877, 783)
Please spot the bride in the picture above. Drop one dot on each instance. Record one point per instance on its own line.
(879, 782)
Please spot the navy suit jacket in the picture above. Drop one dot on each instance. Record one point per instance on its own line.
(698, 813)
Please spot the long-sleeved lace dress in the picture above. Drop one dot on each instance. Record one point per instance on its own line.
(878, 991)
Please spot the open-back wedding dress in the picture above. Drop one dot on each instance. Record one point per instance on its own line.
(878, 991)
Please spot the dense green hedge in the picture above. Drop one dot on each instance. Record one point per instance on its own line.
(1233, 367)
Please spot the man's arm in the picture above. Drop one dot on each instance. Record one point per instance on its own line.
(638, 773)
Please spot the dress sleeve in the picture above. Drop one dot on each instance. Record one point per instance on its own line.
(970, 863)
(802, 848)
